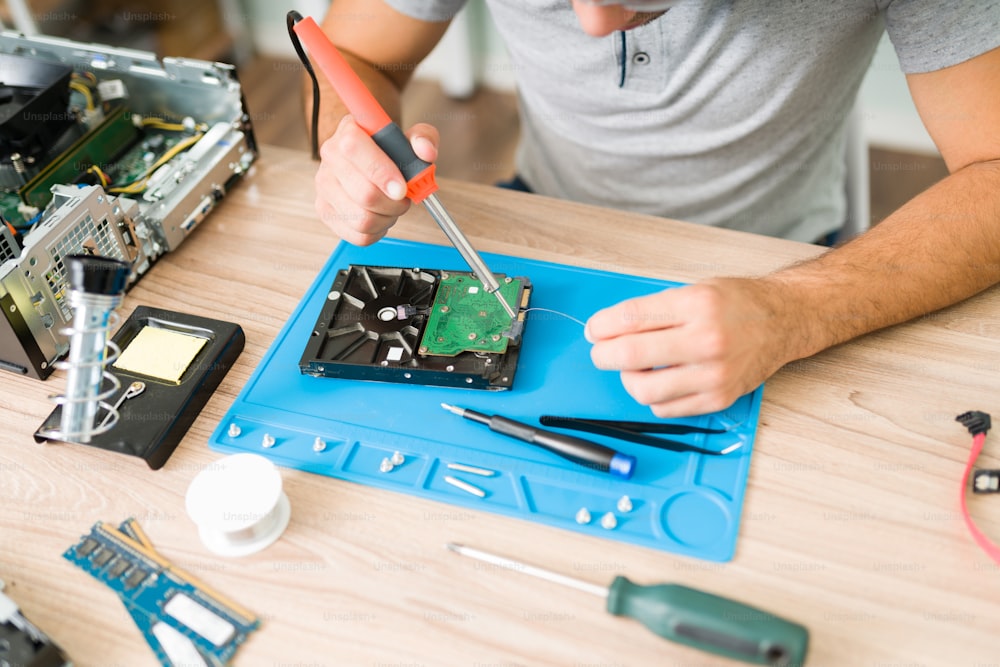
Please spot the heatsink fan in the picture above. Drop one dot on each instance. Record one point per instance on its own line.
(417, 326)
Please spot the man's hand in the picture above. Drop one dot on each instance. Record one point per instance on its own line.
(360, 192)
(693, 349)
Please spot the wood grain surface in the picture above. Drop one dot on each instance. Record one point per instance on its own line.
(851, 523)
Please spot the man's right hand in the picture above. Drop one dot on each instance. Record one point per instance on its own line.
(360, 192)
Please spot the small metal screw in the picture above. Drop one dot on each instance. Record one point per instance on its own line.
(624, 505)
(267, 441)
(609, 521)
(318, 444)
(234, 430)
(385, 466)
(449, 368)
(583, 516)
(472, 336)
(397, 459)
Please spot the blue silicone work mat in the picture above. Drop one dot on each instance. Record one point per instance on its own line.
(685, 503)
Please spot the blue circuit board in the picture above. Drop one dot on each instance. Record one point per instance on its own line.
(686, 503)
(184, 622)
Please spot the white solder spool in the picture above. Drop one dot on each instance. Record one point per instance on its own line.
(238, 505)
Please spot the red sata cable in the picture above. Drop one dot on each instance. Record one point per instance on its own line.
(978, 424)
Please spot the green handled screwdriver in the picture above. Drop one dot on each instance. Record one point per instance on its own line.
(685, 615)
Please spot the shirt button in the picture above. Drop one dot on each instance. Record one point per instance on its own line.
(641, 58)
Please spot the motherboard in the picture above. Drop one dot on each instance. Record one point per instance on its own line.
(103, 151)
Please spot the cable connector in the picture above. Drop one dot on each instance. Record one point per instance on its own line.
(986, 481)
(977, 422)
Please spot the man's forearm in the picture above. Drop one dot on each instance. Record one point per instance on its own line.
(332, 109)
(940, 248)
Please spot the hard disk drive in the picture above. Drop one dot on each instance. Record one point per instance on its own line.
(417, 326)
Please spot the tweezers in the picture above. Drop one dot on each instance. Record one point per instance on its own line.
(632, 431)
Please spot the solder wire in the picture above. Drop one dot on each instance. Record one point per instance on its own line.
(556, 312)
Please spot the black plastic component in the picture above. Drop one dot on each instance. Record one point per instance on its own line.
(977, 422)
(24, 645)
(394, 143)
(34, 97)
(94, 274)
(18, 346)
(986, 481)
(152, 424)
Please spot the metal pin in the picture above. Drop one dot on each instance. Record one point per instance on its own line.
(397, 459)
(472, 470)
(609, 521)
(465, 486)
(583, 516)
(131, 391)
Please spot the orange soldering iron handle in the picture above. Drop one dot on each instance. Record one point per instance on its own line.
(366, 110)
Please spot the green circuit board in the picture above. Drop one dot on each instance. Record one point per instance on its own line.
(465, 317)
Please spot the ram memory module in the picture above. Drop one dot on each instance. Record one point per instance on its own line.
(183, 621)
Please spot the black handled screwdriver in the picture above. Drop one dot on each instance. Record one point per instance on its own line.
(578, 450)
(685, 615)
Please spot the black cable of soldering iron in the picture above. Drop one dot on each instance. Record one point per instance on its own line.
(291, 19)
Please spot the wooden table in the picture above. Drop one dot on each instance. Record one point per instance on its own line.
(850, 526)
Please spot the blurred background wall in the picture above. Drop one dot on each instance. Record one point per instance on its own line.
(465, 87)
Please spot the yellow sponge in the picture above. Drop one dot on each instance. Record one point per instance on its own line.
(158, 353)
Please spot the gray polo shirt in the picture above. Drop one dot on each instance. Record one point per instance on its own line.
(723, 112)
